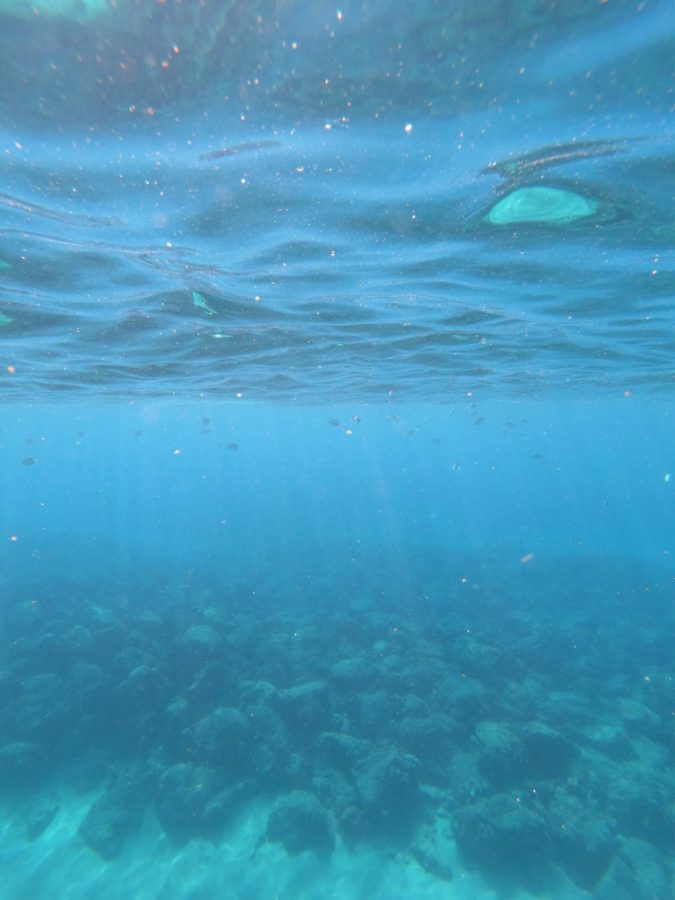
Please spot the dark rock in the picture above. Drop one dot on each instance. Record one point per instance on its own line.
(609, 738)
(336, 792)
(639, 719)
(641, 796)
(637, 870)
(355, 673)
(343, 750)
(501, 754)
(509, 756)
(140, 689)
(87, 772)
(272, 760)
(42, 714)
(78, 644)
(116, 814)
(201, 639)
(306, 707)
(107, 641)
(199, 645)
(89, 696)
(210, 683)
(547, 753)
(182, 797)
(374, 713)
(300, 823)
(21, 763)
(219, 809)
(431, 849)
(415, 707)
(9, 687)
(388, 785)
(223, 740)
(480, 660)
(40, 814)
(423, 674)
(582, 841)
(504, 840)
(431, 739)
(464, 699)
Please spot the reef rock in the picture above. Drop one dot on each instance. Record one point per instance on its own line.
(116, 814)
(300, 823)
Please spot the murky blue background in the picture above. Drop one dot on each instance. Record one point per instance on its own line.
(279, 360)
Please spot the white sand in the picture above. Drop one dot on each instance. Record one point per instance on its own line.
(59, 866)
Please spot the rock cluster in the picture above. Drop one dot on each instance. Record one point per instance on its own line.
(536, 743)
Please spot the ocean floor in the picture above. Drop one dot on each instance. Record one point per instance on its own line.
(60, 864)
(445, 730)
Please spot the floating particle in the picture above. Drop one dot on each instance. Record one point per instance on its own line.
(666, 477)
(541, 206)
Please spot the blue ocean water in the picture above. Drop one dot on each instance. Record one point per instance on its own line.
(337, 511)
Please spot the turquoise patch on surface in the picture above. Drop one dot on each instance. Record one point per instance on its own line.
(541, 205)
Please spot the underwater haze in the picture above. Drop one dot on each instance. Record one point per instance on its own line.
(337, 450)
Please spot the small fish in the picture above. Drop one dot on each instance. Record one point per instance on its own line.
(435, 441)
(206, 421)
(334, 422)
(28, 461)
(138, 432)
(536, 455)
(233, 446)
(238, 149)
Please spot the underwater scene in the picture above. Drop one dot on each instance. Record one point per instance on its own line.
(337, 450)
